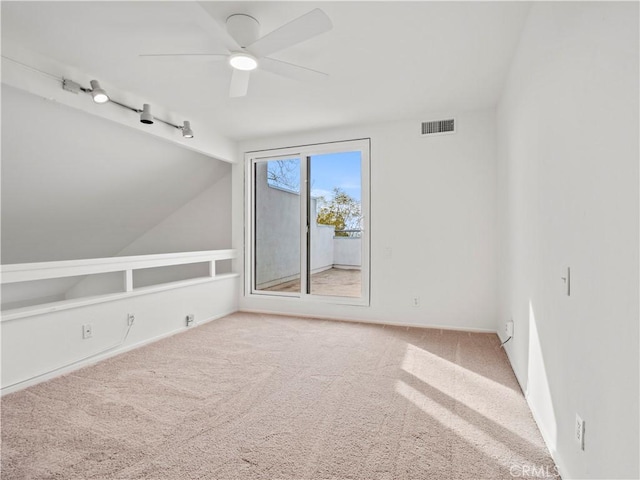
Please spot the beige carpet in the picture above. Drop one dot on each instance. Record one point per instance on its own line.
(259, 396)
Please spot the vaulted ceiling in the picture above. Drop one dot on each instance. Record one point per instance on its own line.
(385, 60)
(78, 186)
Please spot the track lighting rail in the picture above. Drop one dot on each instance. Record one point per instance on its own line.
(100, 96)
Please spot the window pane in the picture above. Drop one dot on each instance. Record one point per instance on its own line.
(277, 225)
(336, 224)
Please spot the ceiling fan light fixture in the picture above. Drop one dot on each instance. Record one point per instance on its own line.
(243, 61)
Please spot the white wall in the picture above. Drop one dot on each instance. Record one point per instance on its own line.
(433, 223)
(322, 244)
(347, 251)
(78, 186)
(34, 346)
(17, 295)
(204, 223)
(568, 195)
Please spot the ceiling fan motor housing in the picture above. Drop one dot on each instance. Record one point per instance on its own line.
(243, 28)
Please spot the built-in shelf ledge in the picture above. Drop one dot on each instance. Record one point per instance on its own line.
(25, 272)
(18, 313)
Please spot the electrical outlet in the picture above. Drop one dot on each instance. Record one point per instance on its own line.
(415, 302)
(130, 319)
(508, 329)
(580, 431)
(190, 319)
(87, 331)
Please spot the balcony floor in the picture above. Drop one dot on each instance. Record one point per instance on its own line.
(335, 282)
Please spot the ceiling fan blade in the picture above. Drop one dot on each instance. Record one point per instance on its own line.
(208, 23)
(302, 28)
(186, 57)
(239, 83)
(290, 70)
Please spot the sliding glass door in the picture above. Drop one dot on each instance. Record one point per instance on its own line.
(309, 210)
(277, 225)
(335, 216)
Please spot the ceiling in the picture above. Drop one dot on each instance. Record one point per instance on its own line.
(385, 60)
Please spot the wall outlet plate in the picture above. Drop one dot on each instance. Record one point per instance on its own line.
(87, 331)
(579, 433)
(508, 329)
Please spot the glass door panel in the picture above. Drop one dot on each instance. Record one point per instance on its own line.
(277, 225)
(334, 263)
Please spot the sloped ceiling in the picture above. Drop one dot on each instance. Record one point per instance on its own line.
(386, 60)
(78, 186)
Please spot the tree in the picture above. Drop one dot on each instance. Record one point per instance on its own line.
(343, 212)
(284, 174)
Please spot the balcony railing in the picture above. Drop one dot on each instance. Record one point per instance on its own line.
(347, 233)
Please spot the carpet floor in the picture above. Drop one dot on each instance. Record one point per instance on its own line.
(266, 397)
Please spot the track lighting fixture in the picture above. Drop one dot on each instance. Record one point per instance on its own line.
(186, 130)
(98, 93)
(100, 96)
(145, 115)
(71, 86)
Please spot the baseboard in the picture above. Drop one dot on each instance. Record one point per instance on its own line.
(370, 322)
(562, 470)
(71, 367)
(546, 438)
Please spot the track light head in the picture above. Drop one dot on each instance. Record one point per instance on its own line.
(186, 130)
(145, 115)
(98, 93)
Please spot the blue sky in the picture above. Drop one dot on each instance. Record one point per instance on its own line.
(336, 170)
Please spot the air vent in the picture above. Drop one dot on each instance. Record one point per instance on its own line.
(438, 127)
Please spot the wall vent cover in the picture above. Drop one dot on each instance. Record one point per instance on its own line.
(439, 127)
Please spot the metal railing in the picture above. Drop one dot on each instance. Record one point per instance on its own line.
(353, 233)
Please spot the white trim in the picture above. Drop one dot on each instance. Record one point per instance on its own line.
(295, 150)
(368, 321)
(297, 298)
(18, 313)
(546, 438)
(128, 281)
(23, 272)
(304, 226)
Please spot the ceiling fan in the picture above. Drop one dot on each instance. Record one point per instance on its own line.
(248, 51)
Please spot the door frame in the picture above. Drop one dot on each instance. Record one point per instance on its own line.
(303, 152)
